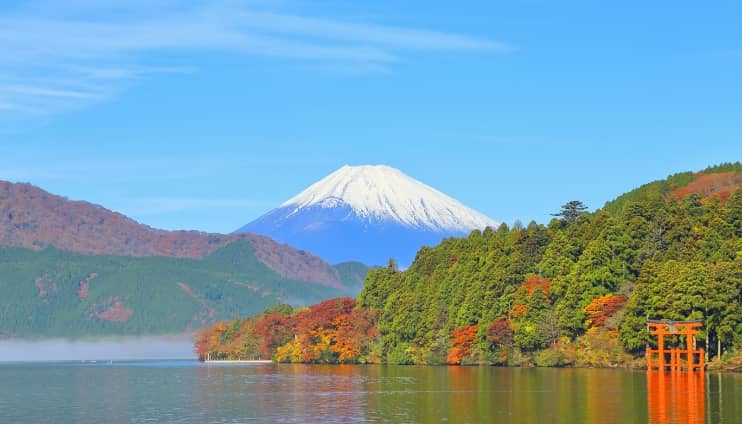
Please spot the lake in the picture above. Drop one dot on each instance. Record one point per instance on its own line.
(188, 391)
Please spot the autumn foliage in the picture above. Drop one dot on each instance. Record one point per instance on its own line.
(602, 308)
(534, 282)
(334, 331)
(461, 341)
(500, 332)
(524, 293)
(721, 184)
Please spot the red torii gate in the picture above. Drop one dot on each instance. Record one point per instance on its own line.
(675, 328)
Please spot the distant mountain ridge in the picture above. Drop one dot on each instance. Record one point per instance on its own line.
(33, 218)
(74, 269)
(55, 293)
(369, 214)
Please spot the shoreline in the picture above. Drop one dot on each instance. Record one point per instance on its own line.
(238, 361)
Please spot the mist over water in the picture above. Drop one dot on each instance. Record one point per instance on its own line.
(119, 348)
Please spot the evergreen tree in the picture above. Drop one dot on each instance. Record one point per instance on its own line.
(571, 211)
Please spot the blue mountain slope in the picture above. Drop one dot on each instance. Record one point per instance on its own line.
(368, 214)
(337, 235)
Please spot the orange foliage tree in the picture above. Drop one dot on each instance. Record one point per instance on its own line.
(461, 340)
(353, 334)
(534, 282)
(273, 330)
(602, 308)
(207, 341)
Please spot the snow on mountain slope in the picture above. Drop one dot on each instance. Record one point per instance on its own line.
(384, 193)
(368, 214)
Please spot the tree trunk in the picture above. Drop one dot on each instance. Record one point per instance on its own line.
(718, 346)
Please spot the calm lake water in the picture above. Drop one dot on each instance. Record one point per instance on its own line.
(187, 391)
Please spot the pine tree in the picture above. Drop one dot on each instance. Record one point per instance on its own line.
(571, 211)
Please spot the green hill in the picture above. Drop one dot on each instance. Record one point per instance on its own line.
(34, 219)
(662, 188)
(54, 293)
(352, 275)
(579, 290)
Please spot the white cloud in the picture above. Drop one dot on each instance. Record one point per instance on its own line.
(57, 54)
(392, 37)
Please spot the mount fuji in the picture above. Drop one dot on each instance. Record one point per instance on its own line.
(368, 214)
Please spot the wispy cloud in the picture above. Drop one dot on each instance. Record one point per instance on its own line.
(44, 92)
(391, 37)
(58, 54)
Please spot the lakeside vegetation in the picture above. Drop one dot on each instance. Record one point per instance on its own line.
(575, 292)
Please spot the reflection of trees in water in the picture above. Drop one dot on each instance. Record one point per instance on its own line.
(282, 393)
(507, 395)
(723, 401)
(352, 393)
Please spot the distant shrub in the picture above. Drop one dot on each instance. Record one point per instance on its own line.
(548, 358)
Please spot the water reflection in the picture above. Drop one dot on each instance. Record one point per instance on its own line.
(192, 392)
(505, 395)
(676, 397)
(280, 393)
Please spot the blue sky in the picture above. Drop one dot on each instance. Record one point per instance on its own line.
(204, 115)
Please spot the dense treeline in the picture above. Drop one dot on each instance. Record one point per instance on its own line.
(574, 292)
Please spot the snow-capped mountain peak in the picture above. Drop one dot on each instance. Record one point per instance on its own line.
(368, 214)
(383, 193)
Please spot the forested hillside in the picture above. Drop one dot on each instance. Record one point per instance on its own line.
(574, 292)
(33, 218)
(53, 293)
